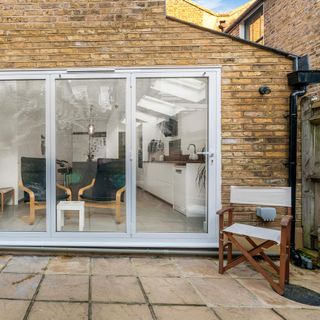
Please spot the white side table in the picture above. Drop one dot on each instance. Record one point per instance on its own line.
(70, 205)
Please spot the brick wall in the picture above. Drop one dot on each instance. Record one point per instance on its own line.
(192, 12)
(294, 26)
(235, 31)
(87, 33)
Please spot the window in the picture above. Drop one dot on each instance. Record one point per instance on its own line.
(254, 27)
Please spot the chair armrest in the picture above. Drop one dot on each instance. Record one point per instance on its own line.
(27, 190)
(221, 213)
(67, 190)
(224, 210)
(119, 193)
(82, 190)
(286, 221)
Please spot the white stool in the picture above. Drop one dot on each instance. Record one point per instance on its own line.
(70, 205)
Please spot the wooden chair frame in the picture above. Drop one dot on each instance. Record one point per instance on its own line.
(37, 205)
(104, 204)
(248, 255)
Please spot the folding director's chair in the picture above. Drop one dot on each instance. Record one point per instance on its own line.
(264, 197)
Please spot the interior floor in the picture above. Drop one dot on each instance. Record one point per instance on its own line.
(153, 215)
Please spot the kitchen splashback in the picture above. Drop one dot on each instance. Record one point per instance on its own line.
(175, 148)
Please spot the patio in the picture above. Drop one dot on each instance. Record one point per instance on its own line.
(142, 288)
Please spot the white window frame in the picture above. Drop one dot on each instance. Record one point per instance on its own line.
(131, 238)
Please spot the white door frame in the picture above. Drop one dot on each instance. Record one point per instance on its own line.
(129, 239)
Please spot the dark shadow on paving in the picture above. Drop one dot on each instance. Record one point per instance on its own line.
(302, 295)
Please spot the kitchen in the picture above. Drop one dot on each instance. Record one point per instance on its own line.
(171, 121)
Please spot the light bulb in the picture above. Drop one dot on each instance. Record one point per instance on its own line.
(91, 129)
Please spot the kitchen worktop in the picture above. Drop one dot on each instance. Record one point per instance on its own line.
(178, 162)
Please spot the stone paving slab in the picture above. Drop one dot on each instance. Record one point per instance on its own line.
(142, 288)
(170, 291)
(13, 309)
(18, 286)
(64, 288)
(197, 267)
(225, 292)
(58, 311)
(247, 314)
(184, 313)
(113, 266)
(153, 267)
(262, 290)
(27, 264)
(120, 312)
(299, 314)
(69, 265)
(116, 289)
(4, 260)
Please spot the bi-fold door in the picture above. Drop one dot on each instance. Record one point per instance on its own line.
(124, 158)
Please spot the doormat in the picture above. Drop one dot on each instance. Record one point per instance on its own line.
(302, 295)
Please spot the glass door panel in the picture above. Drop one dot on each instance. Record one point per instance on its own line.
(22, 161)
(171, 154)
(90, 155)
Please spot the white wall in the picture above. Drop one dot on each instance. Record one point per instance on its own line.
(112, 144)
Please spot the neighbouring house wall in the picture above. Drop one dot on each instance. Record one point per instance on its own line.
(190, 11)
(87, 33)
(235, 31)
(292, 26)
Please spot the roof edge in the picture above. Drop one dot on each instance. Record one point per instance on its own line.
(253, 44)
(244, 14)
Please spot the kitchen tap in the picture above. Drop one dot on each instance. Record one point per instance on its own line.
(193, 155)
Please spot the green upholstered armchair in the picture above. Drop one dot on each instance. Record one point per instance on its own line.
(107, 189)
(33, 183)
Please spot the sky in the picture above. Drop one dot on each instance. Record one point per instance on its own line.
(221, 5)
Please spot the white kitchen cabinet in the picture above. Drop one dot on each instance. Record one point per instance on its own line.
(158, 179)
(179, 189)
(176, 185)
(195, 195)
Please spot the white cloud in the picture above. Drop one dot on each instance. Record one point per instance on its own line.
(220, 5)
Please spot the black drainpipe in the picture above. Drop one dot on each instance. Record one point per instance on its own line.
(296, 93)
(298, 80)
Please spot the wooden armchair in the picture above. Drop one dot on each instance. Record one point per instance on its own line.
(106, 190)
(33, 183)
(229, 232)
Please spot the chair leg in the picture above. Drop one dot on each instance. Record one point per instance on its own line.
(2, 201)
(32, 213)
(275, 286)
(221, 249)
(118, 212)
(229, 255)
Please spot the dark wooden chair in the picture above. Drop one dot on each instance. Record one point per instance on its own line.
(107, 189)
(33, 183)
(229, 233)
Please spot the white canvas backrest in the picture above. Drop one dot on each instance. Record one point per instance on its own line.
(261, 196)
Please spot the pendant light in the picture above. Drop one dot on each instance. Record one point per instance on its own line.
(91, 127)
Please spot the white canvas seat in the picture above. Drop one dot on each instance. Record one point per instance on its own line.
(254, 232)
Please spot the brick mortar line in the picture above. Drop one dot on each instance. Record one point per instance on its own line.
(6, 264)
(187, 279)
(153, 314)
(215, 313)
(278, 314)
(36, 292)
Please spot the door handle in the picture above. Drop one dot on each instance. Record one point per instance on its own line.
(210, 154)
